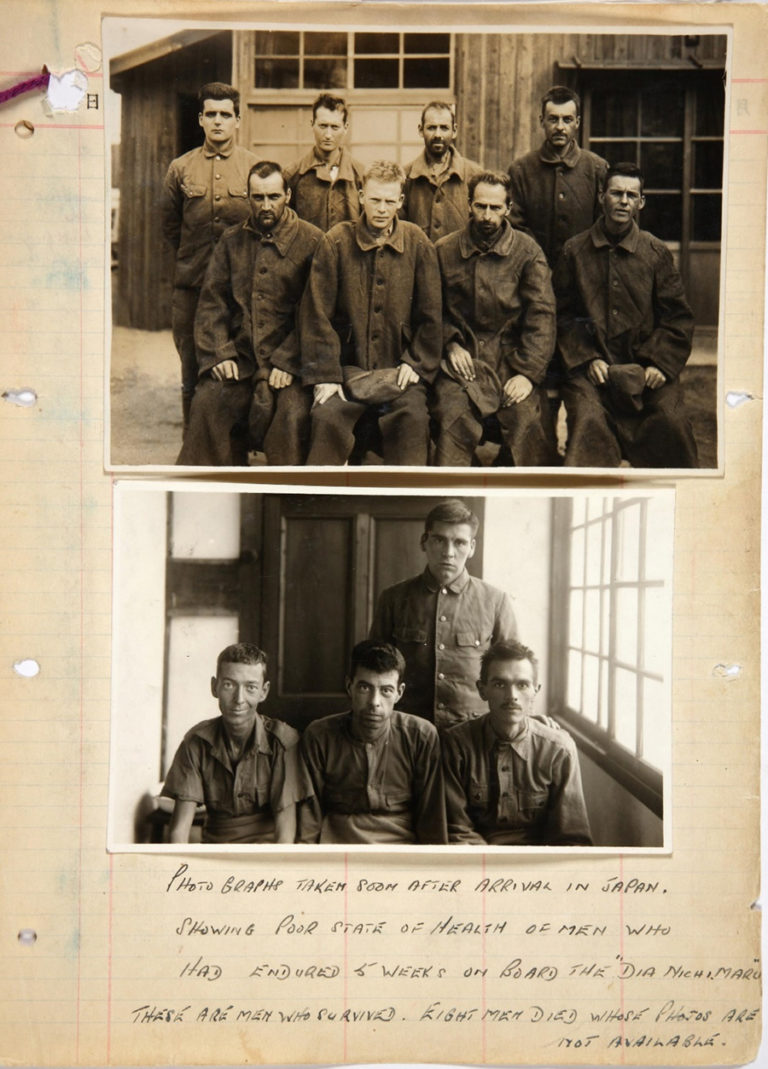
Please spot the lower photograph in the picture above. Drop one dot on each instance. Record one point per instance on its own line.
(313, 669)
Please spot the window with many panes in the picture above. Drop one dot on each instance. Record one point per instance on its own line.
(309, 59)
(611, 632)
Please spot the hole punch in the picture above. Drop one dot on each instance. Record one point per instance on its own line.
(734, 398)
(727, 671)
(27, 937)
(24, 129)
(27, 668)
(25, 396)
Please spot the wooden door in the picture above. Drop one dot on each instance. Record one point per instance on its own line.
(325, 561)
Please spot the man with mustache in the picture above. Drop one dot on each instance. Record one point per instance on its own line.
(498, 335)
(509, 779)
(375, 771)
(248, 394)
(435, 192)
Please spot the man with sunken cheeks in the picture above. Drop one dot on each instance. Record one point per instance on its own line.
(243, 766)
(511, 780)
(375, 771)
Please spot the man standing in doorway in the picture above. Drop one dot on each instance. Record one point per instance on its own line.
(436, 181)
(443, 620)
(555, 187)
(325, 184)
(206, 191)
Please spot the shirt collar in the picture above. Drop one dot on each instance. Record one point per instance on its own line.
(521, 744)
(212, 153)
(283, 234)
(548, 155)
(366, 242)
(420, 167)
(362, 742)
(456, 586)
(502, 247)
(345, 173)
(629, 241)
(212, 731)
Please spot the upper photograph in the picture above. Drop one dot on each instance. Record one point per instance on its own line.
(413, 249)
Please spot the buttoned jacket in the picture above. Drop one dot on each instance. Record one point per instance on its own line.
(525, 792)
(205, 192)
(498, 302)
(318, 198)
(622, 303)
(439, 204)
(556, 197)
(442, 632)
(248, 305)
(371, 305)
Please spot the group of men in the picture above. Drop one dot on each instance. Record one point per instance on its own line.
(330, 308)
(441, 742)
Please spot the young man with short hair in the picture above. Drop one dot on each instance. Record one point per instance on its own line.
(325, 183)
(498, 334)
(243, 766)
(624, 332)
(435, 192)
(555, 187)
(443, 620)
(206, 191)
(375, 771)
(248, 395)
(371, 328)
(511, 780)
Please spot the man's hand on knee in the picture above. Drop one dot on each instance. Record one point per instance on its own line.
(460, 361)
(654, 377)
(227, 369)
(406, 376)
(325, 390)
(516, 390)
(279, 379)
(597, 372)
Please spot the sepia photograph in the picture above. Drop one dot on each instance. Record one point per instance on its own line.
(413, 247)
(391, 670)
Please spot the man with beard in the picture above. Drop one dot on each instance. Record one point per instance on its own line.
(509, 779)
(498, 334)
(435, 192)
(375, 771)
(248, 393)
(624, 332)
(206, 191)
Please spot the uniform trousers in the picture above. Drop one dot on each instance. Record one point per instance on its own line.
(403, 425)
(183, 308)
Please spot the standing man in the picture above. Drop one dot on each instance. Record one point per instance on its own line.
(555, 187)
(375, 771)
(509, 779)
(326, 183)
(443, 620)
(246, 337)
(205, 192)
(498, 333)
(436, 181)
(624, 332)
(371, 328)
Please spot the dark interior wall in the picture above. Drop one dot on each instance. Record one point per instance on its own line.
(616, 816)
(158, 123)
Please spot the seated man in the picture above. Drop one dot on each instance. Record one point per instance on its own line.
(241, 764)
(624, 330)
(370, 328)
(498, 334)
(375, 771)
(509, 779)
(248, 394)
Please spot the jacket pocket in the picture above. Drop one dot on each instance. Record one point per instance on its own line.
(193, 189)
(469, 638)
(532, 804)
(478, 793)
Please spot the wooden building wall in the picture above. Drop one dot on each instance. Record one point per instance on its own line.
(500, 79)
(158, 123)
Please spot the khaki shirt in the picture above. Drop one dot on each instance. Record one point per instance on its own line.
(439, 204)
(320, 199)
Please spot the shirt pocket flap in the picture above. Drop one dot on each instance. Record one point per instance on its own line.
(478, 792)
(468, 638)
(532, 802)
(193, 189)
(410, 634)
(237, 190)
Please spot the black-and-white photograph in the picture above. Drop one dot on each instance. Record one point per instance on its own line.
(414, 247)
(391, 669)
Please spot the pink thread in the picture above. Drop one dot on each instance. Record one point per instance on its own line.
(40, 82)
